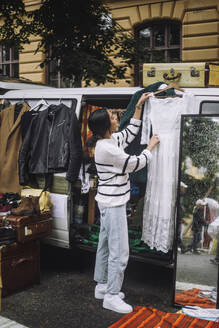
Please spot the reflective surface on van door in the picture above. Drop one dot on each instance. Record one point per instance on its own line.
(197, 256)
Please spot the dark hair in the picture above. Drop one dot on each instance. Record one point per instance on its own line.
(99, 123)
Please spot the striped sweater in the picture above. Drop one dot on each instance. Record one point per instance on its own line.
(114, 165)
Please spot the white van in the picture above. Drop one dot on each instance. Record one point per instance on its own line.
(64, 227)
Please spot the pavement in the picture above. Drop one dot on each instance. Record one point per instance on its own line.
(65, 296)
(197, 269)
(7, 323)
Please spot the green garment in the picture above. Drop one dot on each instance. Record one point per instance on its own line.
(135, 148)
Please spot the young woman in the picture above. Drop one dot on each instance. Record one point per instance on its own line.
(113, 167)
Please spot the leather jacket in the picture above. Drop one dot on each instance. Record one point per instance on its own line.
(52, 144)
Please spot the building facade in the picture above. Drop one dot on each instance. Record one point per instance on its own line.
(169, 31)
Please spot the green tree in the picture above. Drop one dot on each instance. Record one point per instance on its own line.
(13, 28)
(80, 36)
(200, 143)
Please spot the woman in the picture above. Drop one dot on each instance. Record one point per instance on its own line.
(113, 167)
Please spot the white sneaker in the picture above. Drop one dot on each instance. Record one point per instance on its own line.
(115, 303)
(100, 291)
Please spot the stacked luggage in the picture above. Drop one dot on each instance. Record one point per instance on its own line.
(22, 225)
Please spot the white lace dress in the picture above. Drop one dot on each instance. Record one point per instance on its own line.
(160, 197)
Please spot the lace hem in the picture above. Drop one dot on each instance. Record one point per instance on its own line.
(158, 233)
(157, 246)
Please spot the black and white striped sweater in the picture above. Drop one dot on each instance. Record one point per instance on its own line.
(114, 165)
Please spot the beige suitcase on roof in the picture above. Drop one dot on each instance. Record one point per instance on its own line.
(184, 74)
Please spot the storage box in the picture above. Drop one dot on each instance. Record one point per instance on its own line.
(184, 74)
(30, 228)
(60, 185)
(19, 266)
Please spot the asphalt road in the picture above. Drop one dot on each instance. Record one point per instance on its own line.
(64, 298)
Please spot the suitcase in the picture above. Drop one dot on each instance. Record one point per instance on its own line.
(20, 266)
(184, 74)
(7, 235)
(30, 227)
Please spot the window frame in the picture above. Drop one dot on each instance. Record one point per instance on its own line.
(138, 69)
(11, 62)
(205, 102)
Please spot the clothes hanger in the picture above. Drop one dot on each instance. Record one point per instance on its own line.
(172, 85)
(20, 104)
(4, 104)
(41, 105)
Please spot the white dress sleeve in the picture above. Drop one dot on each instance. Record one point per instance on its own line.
(191, 103)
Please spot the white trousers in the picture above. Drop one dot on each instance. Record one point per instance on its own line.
(113, 248)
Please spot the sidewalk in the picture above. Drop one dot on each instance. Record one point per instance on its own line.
(7, 323)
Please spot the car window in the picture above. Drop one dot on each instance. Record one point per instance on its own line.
(209, 107)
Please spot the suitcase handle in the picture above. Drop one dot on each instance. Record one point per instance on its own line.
(170, 78)
(21, 261)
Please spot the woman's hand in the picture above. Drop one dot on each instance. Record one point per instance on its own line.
(138, 106)
(143, 98)
(154, 141)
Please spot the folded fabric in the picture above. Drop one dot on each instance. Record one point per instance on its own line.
(192, 297)
(198, 312)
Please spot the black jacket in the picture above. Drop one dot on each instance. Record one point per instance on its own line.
(52, 144)
(198, 219)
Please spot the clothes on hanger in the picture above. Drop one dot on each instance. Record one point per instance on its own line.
(52, 144)
(160, 196)
(135, 147)
(10, 142)
(17, 109)
(146, 123)
(31, 114)
(26, 120)
(40, 105)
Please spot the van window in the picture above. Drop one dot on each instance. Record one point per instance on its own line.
(209, 107)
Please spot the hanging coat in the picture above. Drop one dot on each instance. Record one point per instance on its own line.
(52, 144)
(10, 142)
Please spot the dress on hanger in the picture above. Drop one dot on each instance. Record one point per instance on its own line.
(160, 197)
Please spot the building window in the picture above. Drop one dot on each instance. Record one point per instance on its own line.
(159, 42)
(9, 61)
(54, 78)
